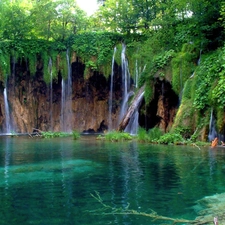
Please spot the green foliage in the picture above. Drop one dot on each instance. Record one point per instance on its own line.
(209, 78)
(153, 135)
(32, 59)
(171, 138)
(182, 67)
(149, 91)
(63, 65)
(95, 49)
(4, 65)
(142, 135)
(188, 91)
(75, 134)
(50, 134)
(118, 136)
(89, 65)
(45, 66)
(220, 119)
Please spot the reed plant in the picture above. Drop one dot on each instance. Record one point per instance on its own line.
(118, 136)
(50, 134)
(76, 135)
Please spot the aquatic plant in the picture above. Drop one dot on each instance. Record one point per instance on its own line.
(171, 138)
(118, 136)
(75, 134)
(50, 134)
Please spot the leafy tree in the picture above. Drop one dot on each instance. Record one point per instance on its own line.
(14, 19)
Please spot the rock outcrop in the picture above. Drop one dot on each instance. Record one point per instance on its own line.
(35, 104)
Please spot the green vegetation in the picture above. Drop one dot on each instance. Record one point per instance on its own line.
(116, 136)
(155, 136)
(75, 134)
(50, 134)
(166, 42)
(152, 135)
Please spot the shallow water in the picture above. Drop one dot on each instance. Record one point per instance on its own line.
(50, 181)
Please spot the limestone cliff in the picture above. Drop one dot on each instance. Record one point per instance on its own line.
(35, 104)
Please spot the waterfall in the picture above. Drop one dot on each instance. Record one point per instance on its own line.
(66, 99)
(132, 126)
(125, 83)
(198, 63)
(50, 104)
(212, 127)
(111, 91)
(200, 55)
(7, 116)
(136, 74)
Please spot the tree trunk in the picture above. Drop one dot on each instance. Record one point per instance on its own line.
(134, 105)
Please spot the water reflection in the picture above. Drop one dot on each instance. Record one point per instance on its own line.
(6, 165)
(51, 181)
(67, 185)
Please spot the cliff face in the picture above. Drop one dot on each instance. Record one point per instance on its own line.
(35, 104)
(162, 109)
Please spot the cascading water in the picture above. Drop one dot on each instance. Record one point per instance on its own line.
(136, 74)
(66, 101)
(111, 91)
(132, 126)
(50, 104)
(125, 83)
(7, 116)
(212, 127)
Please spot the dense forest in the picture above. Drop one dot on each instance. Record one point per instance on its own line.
(180, 41)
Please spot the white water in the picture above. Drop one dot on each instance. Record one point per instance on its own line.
(7, 116)
(111, 91)
(66, 99)
(50, 104)
(132, 126)
(136, 74)
(125, 83)
(212, 127)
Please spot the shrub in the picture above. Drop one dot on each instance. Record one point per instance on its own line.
(50, 134)
(76, 135)
(118, 136)
(154, 134)
(142, 134)
(171, 138)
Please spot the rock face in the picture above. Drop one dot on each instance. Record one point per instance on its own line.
(33, 104)
(161, 111)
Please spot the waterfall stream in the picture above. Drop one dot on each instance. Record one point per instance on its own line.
(125, 83)
(132, 126)
(212, 127)
(51, 93)
(7, 116)
(111, 91)
(66, 99)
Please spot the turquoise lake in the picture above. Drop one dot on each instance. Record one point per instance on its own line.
(51, 181)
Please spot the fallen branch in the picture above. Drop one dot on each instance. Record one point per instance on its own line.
(109, 210)
(196, 146)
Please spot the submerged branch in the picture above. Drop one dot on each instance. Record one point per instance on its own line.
(109, 210)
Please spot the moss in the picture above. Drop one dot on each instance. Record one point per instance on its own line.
(182, 67)
(4, 66)
(32, 60)
(149, 91)
(220, 119)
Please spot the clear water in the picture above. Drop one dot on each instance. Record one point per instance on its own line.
(50, 182)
